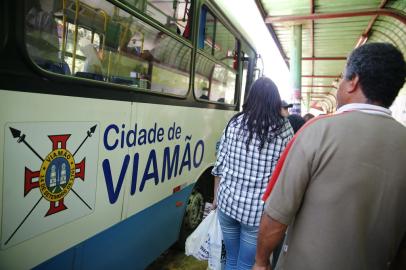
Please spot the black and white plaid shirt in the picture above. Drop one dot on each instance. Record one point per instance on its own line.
(245, 174)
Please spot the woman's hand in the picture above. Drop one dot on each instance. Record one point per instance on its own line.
(257, 267)
(216, 186)
(214, 204)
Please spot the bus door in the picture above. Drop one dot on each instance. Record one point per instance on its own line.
(249, 74)
(259, 67)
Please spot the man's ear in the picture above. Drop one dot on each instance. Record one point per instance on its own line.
(353, 84)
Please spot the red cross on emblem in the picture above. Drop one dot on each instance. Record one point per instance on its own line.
(56, 175)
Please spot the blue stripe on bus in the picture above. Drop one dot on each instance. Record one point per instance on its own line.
(126, 245)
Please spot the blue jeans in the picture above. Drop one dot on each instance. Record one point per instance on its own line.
(240, 241)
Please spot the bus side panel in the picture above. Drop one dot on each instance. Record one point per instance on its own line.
(63, 261)
(131, 244)
(31, 127)
(116, 176)
(186, 148)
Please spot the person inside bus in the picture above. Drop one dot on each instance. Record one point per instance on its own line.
(205, 94)
(42, 38)
(249, 149)
(93, 62)
(135, 45)
(341, 183)
(221, 100)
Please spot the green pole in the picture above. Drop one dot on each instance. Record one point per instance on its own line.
(308, 98)
(296, 67)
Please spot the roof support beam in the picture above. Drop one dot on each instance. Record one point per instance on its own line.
(321, 76)
(296, 66)
(312, 31)
(389, 38)
(321, 94)
(312, 48)
(272, 31)
(320, 16)
(322, 58)
(364, 36)
(327, 98)
(278, 44)
(319, 86)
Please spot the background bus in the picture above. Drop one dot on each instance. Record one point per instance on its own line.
(111, 112)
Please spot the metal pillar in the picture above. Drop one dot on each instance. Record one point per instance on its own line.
(296, 67)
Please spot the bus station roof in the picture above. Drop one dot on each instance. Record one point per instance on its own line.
(330, 31)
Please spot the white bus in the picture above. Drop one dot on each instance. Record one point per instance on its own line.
(110, 114)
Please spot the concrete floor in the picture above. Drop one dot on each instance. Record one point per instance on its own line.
(174, 259)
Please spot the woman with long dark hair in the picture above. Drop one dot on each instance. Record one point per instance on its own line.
(249, 150)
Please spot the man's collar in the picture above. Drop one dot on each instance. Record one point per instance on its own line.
(363, 107)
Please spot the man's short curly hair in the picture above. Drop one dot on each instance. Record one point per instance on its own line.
(296, 121)
(381, 70)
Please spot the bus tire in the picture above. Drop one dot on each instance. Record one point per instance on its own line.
(192, 218)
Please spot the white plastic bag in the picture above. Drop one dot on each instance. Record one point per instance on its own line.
(206, 242)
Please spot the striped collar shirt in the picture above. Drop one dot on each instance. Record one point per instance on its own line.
(245, 174)
(366, 108)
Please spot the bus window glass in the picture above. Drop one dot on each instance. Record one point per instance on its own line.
(174, 15)
(207, 28)
(225, 47)
(140, 5)
(214, 82)
(99, 41)
(245, 72)
(42, 34)
(216, 39)
(4, 18)
(86, 37)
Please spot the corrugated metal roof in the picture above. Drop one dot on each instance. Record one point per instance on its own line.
(331, 34)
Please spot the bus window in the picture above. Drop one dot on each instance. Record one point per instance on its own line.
(249, 62)
(216, 39)
(4, 24)
(171, 66)
(140, 5)
(42, 37)
(99, 41)
(214, 81)
(245, 78)
(206, 30)
(88, 56)
(174, 15)
(226, 46)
